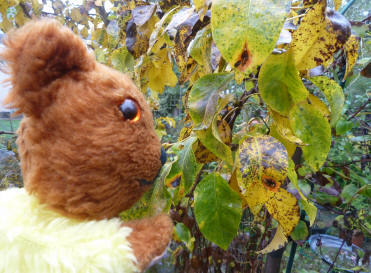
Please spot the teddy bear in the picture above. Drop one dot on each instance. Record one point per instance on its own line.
(88, 151)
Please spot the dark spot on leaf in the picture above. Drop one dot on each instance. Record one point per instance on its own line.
(244, 60)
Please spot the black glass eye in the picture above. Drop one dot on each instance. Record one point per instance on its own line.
(130, 110)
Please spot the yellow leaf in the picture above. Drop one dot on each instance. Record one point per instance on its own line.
(234, 185)
(203, 155)
(84, 32)
(262, 157)
(278, 241)
(246, 31)
(319, 105)
(161, 72)
(20, 18)
(262, 165)
(351, 49)
(290, 147)
(76, 15)
(320, 34)
(337, 4)
(282, 126)
(284, 208)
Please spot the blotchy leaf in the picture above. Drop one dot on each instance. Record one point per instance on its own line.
(262, 158)
(337, 4)
(204, 97)
(351, 49)
(278, 241)
(246, 31)
(320, 34)
(218, 210)
(279, 83)
(284, 207)
(313, 129)
(334, 95)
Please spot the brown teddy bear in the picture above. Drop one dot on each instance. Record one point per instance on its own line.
(88, 151)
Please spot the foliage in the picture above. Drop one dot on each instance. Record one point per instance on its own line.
(261, 83)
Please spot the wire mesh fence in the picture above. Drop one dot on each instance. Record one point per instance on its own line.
(10, 172)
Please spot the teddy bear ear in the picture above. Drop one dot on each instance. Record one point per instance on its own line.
(36, 55)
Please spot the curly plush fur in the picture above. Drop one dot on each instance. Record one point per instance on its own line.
(79, 156)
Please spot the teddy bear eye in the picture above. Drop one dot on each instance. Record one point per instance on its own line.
(130, 110)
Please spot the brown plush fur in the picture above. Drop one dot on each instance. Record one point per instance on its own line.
(146, 230)
(78, 154)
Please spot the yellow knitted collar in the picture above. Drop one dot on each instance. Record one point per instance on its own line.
(34, 239)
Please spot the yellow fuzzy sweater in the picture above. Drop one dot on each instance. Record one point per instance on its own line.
(34, 239)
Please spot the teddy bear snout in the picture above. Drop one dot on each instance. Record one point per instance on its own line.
(163, 159)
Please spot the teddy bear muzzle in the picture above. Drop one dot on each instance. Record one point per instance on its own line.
(163, 159)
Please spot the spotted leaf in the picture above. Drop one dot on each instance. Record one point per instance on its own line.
(246, 31)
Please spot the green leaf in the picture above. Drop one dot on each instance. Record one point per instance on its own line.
(348, 192)
(185, 165)
(365, 190)
(200, 49)
(246, 31)
(343, 126)
(279, 83)
(300, 232)
(308, 206)
(153, 201)
(312, 128)
(122, 60)
(334, 95)
(209, 138)
(183, 233)
(204, 96)
(218, 210)
(326, 199)
(100, 55)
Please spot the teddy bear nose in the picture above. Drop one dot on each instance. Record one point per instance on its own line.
(163, 156)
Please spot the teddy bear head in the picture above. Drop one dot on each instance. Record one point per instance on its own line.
(87, 144)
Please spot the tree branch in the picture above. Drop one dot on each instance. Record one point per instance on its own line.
(25, 10)
(245, 96)
(359, 109)
(6, 133)
(103, 15)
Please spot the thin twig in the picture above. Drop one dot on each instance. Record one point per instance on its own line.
(7, 133)
(298, 16)
(337, 254)
(350, 163)
(359, 109)
(24, 9)
(197, 180)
